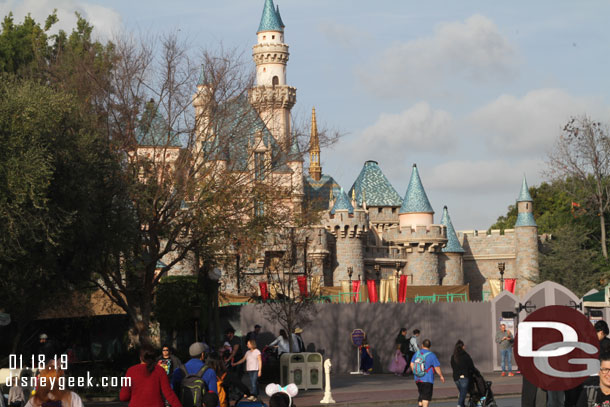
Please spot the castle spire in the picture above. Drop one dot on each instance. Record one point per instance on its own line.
(315, 170)
(524, 195)
(270, 20)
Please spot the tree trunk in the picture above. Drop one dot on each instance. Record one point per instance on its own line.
(602, 224)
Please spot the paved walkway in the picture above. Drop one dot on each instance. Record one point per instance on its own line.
(388, 389)
(382, 390)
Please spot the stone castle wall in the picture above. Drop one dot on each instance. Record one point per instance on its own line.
(483, 252)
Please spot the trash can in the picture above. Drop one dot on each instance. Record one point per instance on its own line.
(292, 369)
(313, 370)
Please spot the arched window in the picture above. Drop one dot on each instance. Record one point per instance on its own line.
(275, 81)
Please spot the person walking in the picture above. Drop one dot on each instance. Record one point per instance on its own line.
(366, 358)
(281, 342)
(149, 386)
(462, 366)
(412, 348)
(236, 349)
(168, 361)
(254, 366)
(424, 364)
(197, 366)
(504, 339)
(297, 341)
(402, 344)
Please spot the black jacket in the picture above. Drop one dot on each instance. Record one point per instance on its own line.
(462, 365)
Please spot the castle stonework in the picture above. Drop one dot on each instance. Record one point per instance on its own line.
(371, 230)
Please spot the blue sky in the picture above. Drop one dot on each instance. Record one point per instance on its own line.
(474, 92)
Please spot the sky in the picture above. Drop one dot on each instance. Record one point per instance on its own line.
(474, 92)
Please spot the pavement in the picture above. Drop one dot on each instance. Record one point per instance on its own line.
(381, 390)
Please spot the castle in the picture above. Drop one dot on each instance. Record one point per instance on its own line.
(370, 230)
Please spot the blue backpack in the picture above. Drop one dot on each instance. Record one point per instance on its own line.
(419, 364)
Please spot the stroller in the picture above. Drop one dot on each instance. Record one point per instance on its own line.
(480, 391)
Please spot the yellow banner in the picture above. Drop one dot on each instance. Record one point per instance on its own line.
(494, 287)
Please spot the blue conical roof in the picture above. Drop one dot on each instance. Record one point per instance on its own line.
(453, 244)
(524, 196)
(270, 20)
(377, 189)
(525, 219)
(277, 9)
(342, 203)
(416, 200)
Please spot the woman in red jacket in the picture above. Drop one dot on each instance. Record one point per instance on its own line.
(149, 383)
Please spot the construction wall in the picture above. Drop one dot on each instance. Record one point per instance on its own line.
(442, 323)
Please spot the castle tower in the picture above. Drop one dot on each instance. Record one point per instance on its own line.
(348, 226)
(452, 270)
(271, 97)
(422, 240)
(315, 170)
(526, 241)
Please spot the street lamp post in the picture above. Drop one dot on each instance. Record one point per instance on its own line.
(350, 271)
(501, 267)
(378, 272)
(398, 264)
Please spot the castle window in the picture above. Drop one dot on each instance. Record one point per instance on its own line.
(393, 210)
(264, 69)
(259, 208)
(275, 81)
(379, 210)
(259, 165)
(264, 37)
(527, 206)
(273, 37)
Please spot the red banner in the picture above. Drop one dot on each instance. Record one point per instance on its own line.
(356, 290)
(402, 288)
(302, 280)
(264, 292)
(370, 284)
(509, 284)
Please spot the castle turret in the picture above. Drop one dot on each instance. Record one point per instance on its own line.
(347, 224)
(452, 270)
(416, 208)
(526, 241)
(423, 241)
(271, 97)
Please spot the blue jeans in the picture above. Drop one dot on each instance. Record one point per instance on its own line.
(507, 363)
(253, 374)
(462, 385)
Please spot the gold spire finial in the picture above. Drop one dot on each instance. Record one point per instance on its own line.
(315, 170)
(354, 194)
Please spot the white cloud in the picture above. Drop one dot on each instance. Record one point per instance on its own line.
(530, 125)
(492, 175)
(394, 136)
(345, 35)
(105, 21)
(474, 50)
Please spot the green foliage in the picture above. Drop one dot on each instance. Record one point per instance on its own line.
(177, 298)
(53, 194)
(567, 260)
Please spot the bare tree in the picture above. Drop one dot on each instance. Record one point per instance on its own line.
(581, 157)
(289, 306)
(189, 187)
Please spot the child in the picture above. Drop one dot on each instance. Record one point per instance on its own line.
(254, 366)
(366, 358)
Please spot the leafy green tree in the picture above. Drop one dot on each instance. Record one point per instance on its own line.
(53, 197)
(567, 260)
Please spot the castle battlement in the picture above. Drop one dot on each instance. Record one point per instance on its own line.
(344, 224)
(270, 53)
(279, 96)
(422, 232)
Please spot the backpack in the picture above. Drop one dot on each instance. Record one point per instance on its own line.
(419, 364)
(222, 394)
(192, 388)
